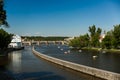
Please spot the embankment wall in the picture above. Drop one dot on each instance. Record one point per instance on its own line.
(85, 69)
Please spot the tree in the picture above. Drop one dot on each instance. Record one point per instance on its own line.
(109, 41)
(94, 36)
(5, 39)
(99, 30)
(116, 34)
(106, 42)
(84, 40)
(3, 15)
(81, 41)
(75, 42)
(92, 30)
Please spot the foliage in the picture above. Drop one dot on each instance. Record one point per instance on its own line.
(116, 34)
(112, 38)
(95, 35)
(107, 43)
(92, 30)
(75, 42)
(5, 39)
(3, 15)
(40, 38)
(80, 42)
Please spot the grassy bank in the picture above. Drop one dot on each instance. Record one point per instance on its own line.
(105, 50)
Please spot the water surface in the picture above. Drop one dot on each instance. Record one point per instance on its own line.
(24, 65)
(105, 61)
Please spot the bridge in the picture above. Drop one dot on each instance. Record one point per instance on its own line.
(42, 42)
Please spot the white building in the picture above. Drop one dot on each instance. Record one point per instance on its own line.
(16, 42)
(67, 40)
(101, 37)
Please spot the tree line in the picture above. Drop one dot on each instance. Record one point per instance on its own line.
(5, 37)
(110, 41)
(40, 38)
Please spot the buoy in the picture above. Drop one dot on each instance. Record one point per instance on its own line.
(80, 50)
(94, 57)
(61, 49)
(65, 52)
(103, 51)
(68, 51)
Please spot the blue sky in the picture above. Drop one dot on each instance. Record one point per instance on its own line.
(60, 17)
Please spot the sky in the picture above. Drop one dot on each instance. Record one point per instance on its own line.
(60, 17)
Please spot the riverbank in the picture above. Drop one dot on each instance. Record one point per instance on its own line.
(8, 50)
(102, 50)
(5, 52)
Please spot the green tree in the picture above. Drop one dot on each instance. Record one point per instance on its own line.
(84, 40)
(92, 30)
(81, 41)
(109, 40)
(75, 42)
(3, 15)
(5, 39)
(99, 30)
(107, 43)
(116, 34)
(94, 36)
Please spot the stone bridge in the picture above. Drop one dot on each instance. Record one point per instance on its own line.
(42, 42)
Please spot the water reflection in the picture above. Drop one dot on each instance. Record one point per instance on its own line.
(15, 57)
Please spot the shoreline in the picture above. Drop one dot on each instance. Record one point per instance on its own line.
(8, 50)
(117, 51)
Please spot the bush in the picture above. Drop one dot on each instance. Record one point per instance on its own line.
(5, 39)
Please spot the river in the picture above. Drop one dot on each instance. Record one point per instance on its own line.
(24, 65)
(105, 61)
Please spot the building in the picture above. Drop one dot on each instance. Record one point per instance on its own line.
(101, 37)
(67, 40)
(15, 42)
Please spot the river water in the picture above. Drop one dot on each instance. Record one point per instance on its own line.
(105, 61)
(24, 65)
